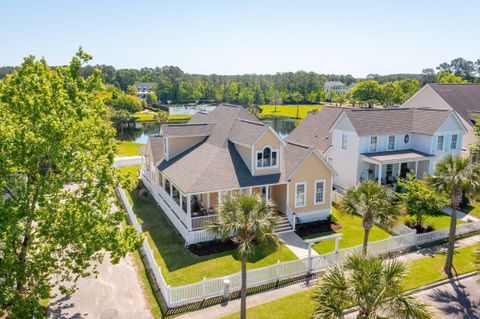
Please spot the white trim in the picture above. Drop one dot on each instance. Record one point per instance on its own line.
(241, 144)
(189, 135)
(315, 191)
(165, 148)
(304, 195)
(269, 128)
(394, 142)
(277, 165)
(313, 151)
(370, 144)
(338, 120)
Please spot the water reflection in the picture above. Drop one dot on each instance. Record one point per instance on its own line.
(282, 125)
(141, 130)
(138, 133)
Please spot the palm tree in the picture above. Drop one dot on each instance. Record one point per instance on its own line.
(374, 202)
(248, 220)
(456, 176)
(372, 286)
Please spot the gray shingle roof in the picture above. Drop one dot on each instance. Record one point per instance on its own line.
(463, 98)
(294, 156)
(147, 85)
(189, 129)
(215, 164)
(156, 146)
(314, 130)
(367, 122)
(332, 83)
(247, 132)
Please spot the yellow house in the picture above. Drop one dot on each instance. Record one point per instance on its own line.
(190, 168)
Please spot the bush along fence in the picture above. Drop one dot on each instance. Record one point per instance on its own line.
(217, 287)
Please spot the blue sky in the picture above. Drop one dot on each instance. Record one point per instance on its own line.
(236, 37)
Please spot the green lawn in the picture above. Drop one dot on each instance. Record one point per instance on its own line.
(147, 288)
(436, 222)
(421, 272)
(127, 148)
(145, 117)
(472, 209)
(178, 265)
(288, 110)
(352, 233)
(179, 118)
(131, 170)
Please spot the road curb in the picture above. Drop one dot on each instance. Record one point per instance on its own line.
(442, 282)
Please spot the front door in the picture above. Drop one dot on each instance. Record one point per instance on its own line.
(403, 170)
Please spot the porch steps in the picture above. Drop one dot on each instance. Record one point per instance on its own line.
(284, 225)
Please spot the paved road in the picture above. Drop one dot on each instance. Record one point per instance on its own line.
(455, 299)
(115, 294)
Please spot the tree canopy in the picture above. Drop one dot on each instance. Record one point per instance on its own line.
(57, 216)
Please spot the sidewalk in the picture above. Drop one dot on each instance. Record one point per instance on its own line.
(233, 306)
(296, 245)
(461, 215)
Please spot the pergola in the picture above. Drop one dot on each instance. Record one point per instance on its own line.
(313, 241)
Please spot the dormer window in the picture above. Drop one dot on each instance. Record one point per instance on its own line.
(267, 158)
(373, 144)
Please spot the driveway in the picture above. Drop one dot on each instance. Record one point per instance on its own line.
(115, 294)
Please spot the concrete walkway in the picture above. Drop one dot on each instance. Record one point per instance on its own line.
(296, 244)
(461, 215)
(233, 306)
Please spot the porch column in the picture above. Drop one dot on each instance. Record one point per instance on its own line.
(189, 213)
(219, 198)
(208, 201)
(416, 169)
(379, 174)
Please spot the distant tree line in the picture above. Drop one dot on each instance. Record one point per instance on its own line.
(175, 86)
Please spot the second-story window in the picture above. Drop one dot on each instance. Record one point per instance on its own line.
(373, 144)
(391, 142)
(453, 142)
(440, 140)
(344, 141)
(267, 158)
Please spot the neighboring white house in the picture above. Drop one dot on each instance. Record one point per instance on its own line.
(464, 99)
(144, 88)
(380, 144)
(336, 86)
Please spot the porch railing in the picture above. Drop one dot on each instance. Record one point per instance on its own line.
(202, 222)
(291, 217)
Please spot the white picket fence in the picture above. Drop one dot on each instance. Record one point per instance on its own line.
(215, 287)
(124, 161)
(189, 110)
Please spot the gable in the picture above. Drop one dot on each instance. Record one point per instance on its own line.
(427, 98)
(343, 123)
(268, 138)
(452, 123)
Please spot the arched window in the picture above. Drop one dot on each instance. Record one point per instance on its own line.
(267, 155)
(267, 158)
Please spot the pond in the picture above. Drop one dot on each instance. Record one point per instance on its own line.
(140, 132)
(282, 125)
